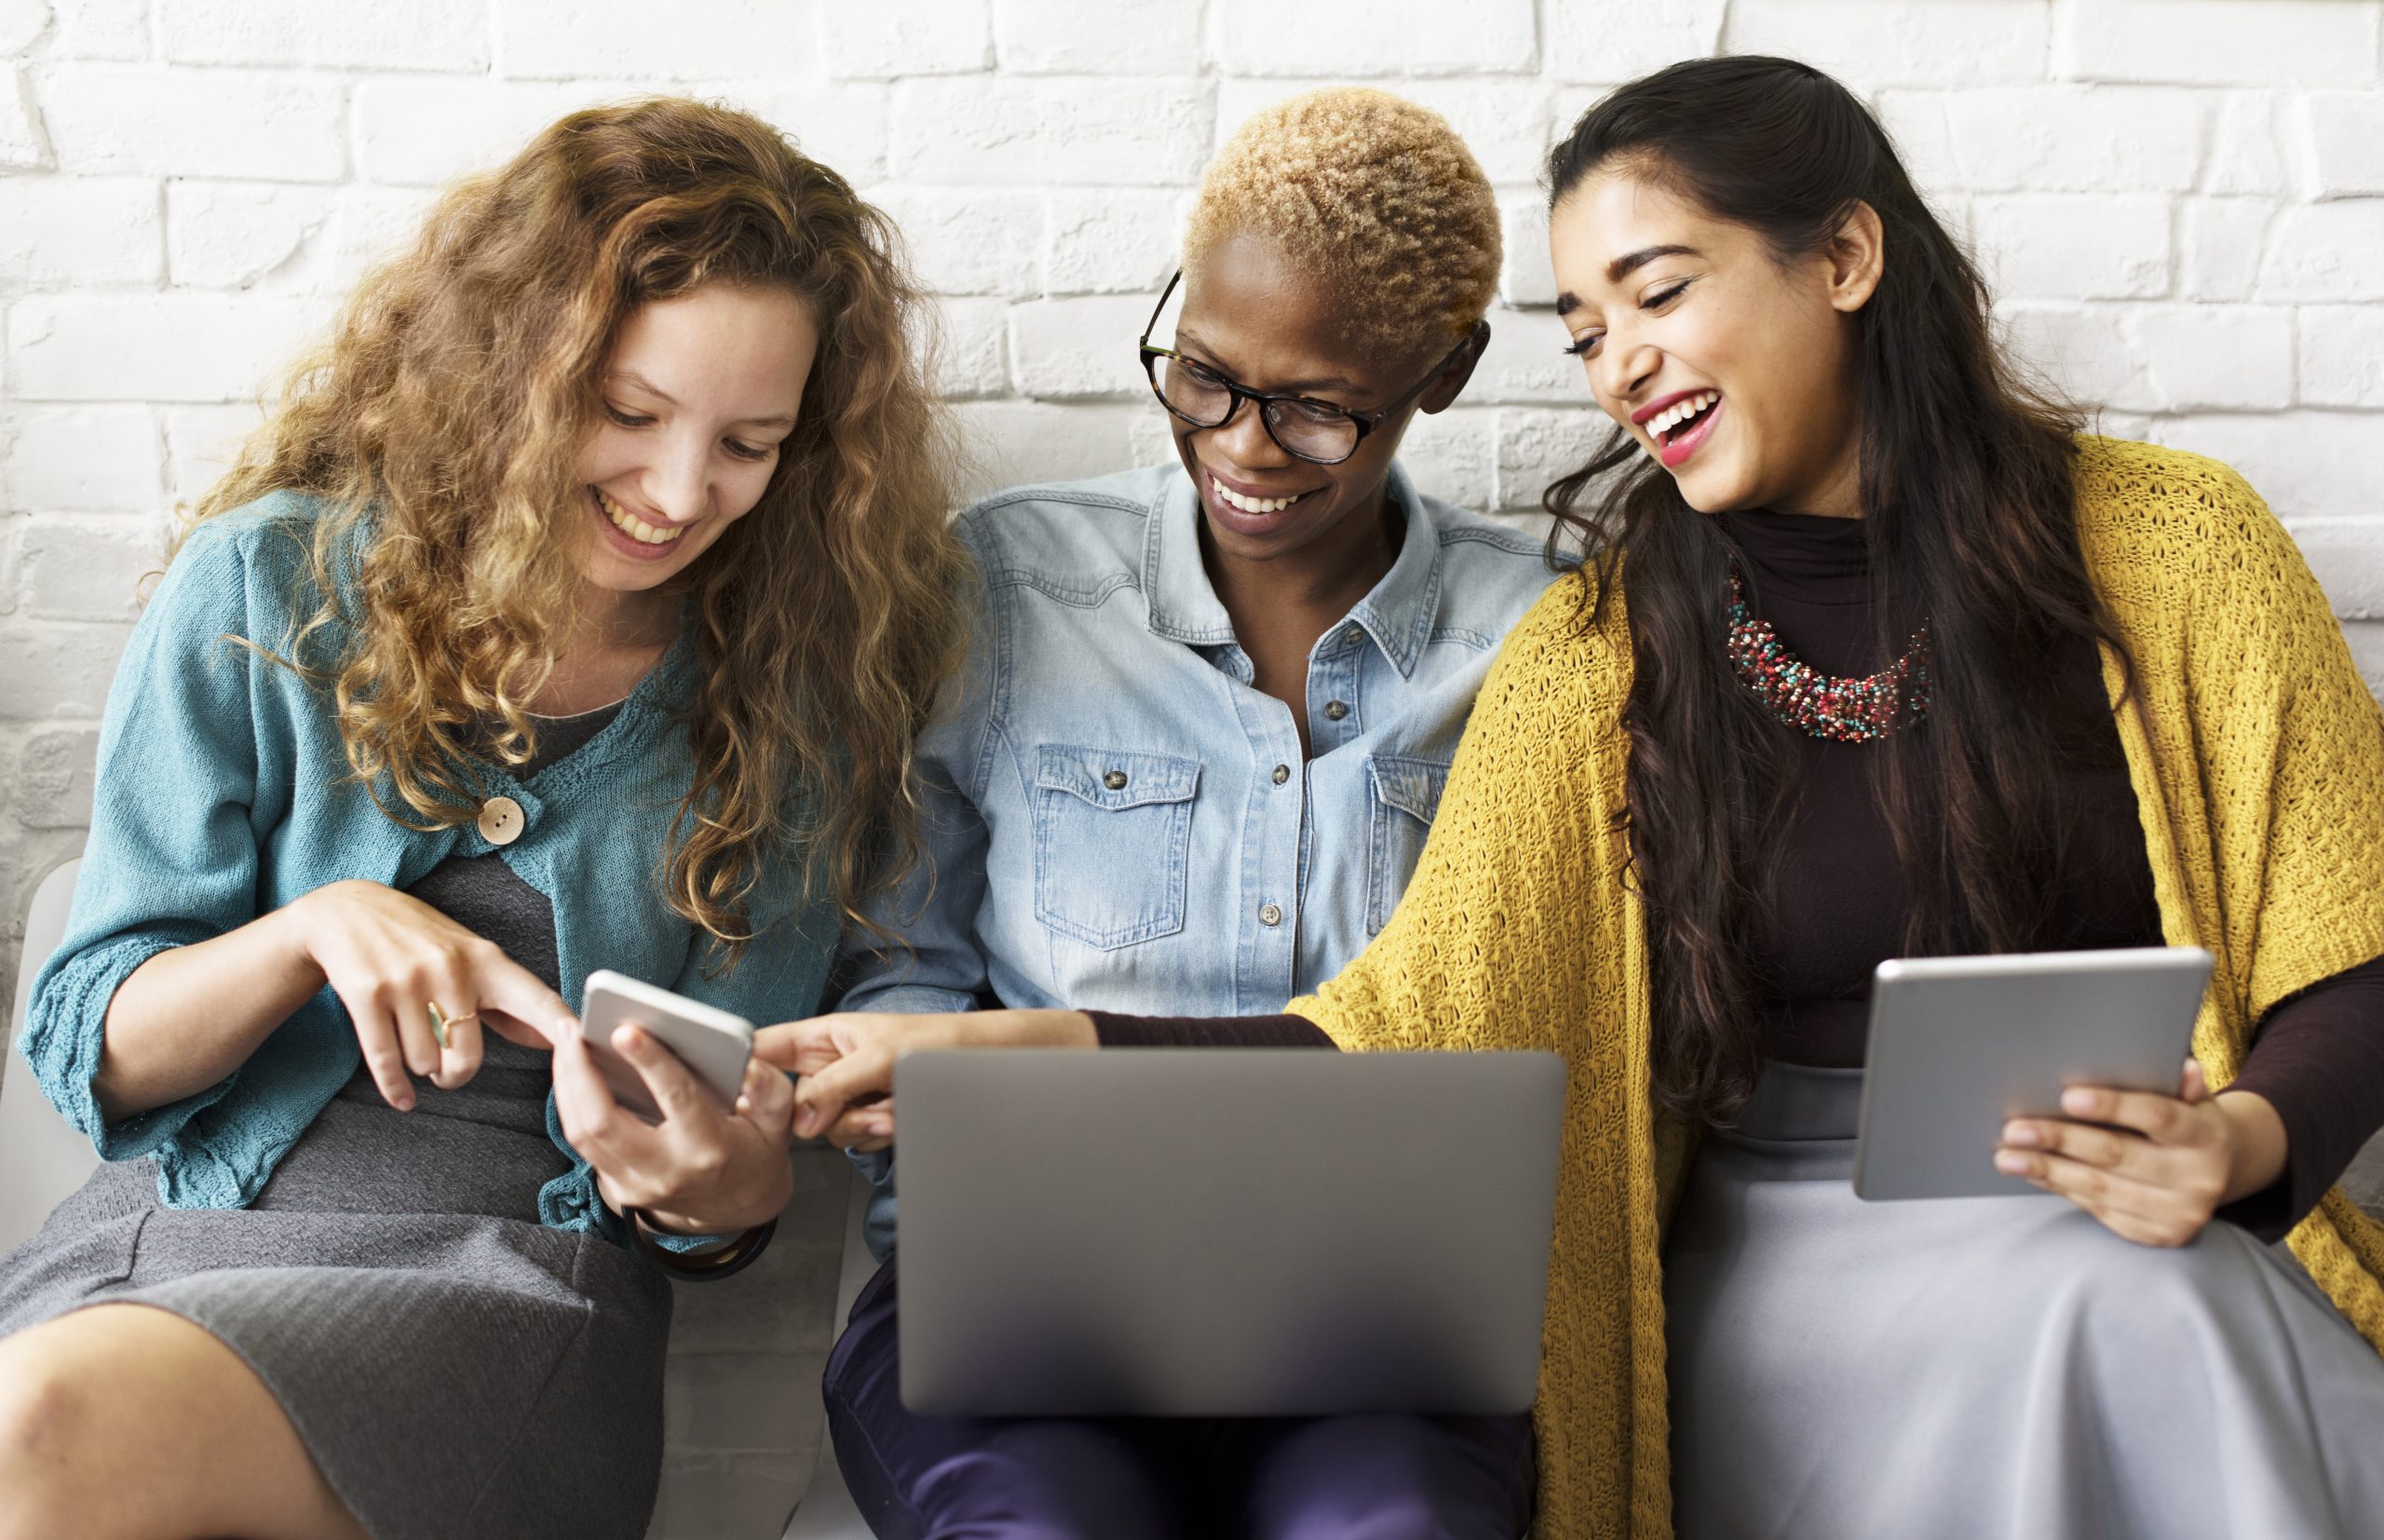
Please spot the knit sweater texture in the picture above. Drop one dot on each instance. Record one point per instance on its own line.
(223, 791)
(2258, 759)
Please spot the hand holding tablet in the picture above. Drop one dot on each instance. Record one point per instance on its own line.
(1961, 1047)
(2153, 1169)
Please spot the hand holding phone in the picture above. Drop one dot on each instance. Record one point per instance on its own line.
(701, 1150)
(714, 1043)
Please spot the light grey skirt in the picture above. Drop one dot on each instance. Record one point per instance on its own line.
(456, 1368)
(1990, 1367)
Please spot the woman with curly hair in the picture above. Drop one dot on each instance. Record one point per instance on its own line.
(575, 609)
(1189, 764)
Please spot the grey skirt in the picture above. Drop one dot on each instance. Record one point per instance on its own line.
(1990, 1367)
(456, 1368)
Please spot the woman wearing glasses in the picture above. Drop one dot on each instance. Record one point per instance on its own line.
(1207, 719)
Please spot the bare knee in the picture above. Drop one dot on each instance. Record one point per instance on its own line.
(45, 1421)
(122, 1419)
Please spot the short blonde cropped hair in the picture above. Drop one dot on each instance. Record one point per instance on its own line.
(1377, 195)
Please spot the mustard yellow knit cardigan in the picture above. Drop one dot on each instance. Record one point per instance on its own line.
(2258, 758)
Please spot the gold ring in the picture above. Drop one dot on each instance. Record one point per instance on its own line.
(441, 1021)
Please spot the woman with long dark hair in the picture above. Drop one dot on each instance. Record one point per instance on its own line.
(1877, 655)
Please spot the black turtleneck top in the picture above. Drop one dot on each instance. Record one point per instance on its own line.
(1839, 901)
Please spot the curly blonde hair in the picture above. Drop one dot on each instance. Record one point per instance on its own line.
(440, 427)
(1373, 193)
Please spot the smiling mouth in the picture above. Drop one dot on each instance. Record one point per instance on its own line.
(635, 528)
(1236, 501)
(1683, 418)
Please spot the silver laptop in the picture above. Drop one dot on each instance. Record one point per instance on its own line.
(1217, 1232)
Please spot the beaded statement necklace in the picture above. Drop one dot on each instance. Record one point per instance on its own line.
(1849, 711)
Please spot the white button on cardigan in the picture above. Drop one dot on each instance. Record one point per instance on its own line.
(501, 821)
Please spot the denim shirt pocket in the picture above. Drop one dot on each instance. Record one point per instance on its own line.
(1112, 835)
(1401, 796)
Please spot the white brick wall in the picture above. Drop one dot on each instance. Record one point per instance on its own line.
(2181, 202)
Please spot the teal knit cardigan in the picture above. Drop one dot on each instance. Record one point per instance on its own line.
(223, 793)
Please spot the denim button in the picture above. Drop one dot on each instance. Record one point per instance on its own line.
(1335, 710)
(1124, 815)
(1270, 915)
(1354, 635)
(1282, 773)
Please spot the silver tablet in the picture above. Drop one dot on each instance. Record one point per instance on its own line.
(1959, 1044)
(1224, 1232)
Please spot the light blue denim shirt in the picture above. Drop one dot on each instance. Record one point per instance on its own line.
(1118, 819)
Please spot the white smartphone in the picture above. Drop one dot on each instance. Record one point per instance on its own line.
(710, 1042)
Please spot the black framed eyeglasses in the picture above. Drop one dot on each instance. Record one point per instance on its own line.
(1318, 432)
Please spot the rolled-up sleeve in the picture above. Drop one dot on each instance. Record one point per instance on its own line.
(172, 856)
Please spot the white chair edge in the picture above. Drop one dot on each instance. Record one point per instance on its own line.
(44, 1156)
(827, 1511)
(45, 927)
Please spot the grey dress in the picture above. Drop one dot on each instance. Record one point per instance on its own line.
(455, 1368)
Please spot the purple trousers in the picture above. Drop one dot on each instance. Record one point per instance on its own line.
(1360, 1478)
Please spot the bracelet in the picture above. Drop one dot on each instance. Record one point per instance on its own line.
(699, 1266)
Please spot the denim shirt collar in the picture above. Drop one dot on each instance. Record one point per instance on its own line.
(1397, 612)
